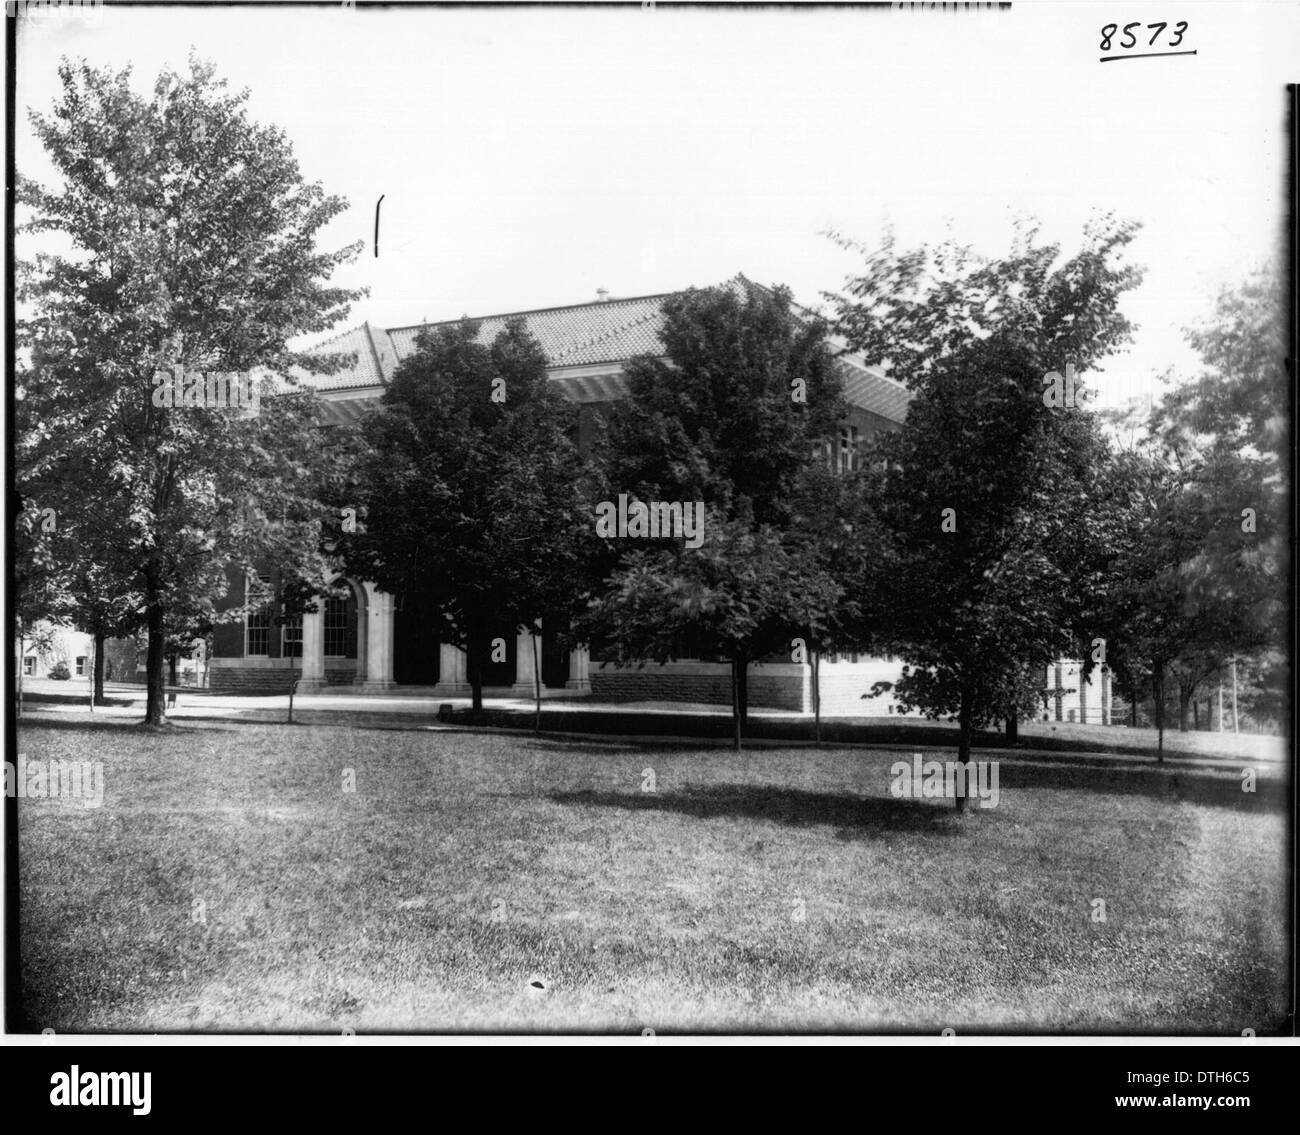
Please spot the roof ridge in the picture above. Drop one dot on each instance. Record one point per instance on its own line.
(374, 350)
(362, 326)
(535, 311)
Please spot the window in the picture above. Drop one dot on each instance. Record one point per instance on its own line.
(258, 619)
(29, 666)
(822, 451)
(81, 664)
(291, 640)
(848, 449)
(336, 628)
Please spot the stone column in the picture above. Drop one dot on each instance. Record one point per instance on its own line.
(453, 672)
(313, 650)
(579, 671)
(379, 641)
(524, 668)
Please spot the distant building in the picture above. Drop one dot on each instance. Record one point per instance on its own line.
(48, 645)
(1070, 697)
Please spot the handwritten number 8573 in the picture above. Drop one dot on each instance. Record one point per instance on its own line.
(1110, 29)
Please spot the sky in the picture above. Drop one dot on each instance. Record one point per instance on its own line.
(528, 156)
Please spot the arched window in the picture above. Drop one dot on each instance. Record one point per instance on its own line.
(336, 628)
(258, 620)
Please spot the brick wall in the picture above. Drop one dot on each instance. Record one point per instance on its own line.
(252, 679)
(701, 683)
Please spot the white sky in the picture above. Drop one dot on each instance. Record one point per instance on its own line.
(528, 157)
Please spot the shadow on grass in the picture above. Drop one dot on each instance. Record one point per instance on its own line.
(858, 817)
(865, 816)
(76, 699)
(614, 747)
(1177, 785)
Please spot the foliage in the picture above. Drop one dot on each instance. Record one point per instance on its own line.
(732, 418)
(191, 237)
(989, 538)
(474, 508)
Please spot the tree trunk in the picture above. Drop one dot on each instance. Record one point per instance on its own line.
(537, 686)
(22, 656)
(1196, 715)
(817, 696)
(735, 703)
(1183, 699)
(98, 697)
(171, 669)
(742, 687)
(1013, 725)
(1158, 692)
(474, 644)
(155, 712)
(964, 715)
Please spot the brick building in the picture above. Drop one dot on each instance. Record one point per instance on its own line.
(366, 642)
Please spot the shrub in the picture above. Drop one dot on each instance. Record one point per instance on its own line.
(60, 671)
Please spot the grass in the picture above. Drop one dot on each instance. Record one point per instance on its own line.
(508, 883)
(671, 720)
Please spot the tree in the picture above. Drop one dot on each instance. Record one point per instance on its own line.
(732, 418)
(1226, 433)
(1180, 605)
(740, 595)
(473, 501)
(192, 240)
(1240, 401)
(1201, 575)
(834, 522)
(983, 504)
(989, 536)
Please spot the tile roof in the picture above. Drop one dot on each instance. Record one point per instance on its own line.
(373, 359)
(606, 331)
(586, 334)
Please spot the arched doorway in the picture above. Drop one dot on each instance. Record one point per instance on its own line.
(343, 632)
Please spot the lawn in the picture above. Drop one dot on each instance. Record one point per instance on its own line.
(496, 881)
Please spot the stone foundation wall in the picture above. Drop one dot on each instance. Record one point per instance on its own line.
(252, 680)
(237, 679)
(770, 687)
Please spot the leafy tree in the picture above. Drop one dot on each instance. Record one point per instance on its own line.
(732, 418)
(1179, 607)
(192, 245)
(1225, 434)
(739, 595)
(983, 504)
(835, 524)
(1239, 403)
(89, 577)
(989, 538)
(912, 311)
(1201, 574)
(473, 499)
